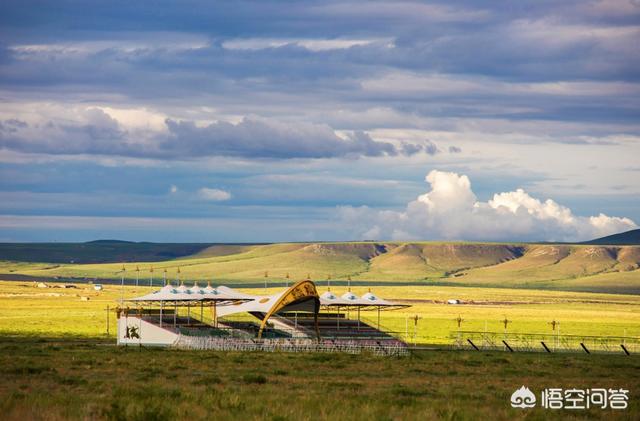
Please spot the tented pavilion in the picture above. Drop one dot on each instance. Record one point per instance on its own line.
(349, 302)
(298, 312)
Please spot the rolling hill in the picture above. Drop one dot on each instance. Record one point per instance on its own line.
(629, 238)
(101, 251)
(541, 266)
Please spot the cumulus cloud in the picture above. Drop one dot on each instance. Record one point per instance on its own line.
(93, 131)
(451, 210)
(214, 195)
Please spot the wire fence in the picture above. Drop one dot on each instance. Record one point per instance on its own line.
(550, 343)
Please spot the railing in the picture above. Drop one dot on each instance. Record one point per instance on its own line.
(382, 347)
(539, 342)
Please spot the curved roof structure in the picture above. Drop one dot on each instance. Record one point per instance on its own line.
(302, 296)
(303, 291)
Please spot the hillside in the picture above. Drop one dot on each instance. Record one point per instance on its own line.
(101, 251)
(543, 266)
(629, 238)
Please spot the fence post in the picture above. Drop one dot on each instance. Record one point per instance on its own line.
(473, 345)
(507, 345)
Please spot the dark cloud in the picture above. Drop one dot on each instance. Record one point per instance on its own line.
(11, 125)
(255, 138)
(100, 135)
(259, 138)
(168, 52)
(468, 73)
(250, 138)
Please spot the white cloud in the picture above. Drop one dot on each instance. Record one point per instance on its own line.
(114, 131)
(253, 44)
(215, 195)
(166, 41)
(403, 83)
(451, 210)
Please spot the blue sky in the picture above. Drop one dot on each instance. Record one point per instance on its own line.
(301, 121)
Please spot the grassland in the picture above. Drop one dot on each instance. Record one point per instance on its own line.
(57, 362)
(611, 269)
(29, 311)
(54, 380)
(97, 251)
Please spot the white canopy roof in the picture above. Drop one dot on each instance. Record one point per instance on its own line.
(195, 293)
(347, 299)
(256, 303)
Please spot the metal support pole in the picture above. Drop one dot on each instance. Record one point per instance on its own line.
(161, 306)
(315, 322)
(406, 328)
(175, 313)
(107, 320)
(122, 288)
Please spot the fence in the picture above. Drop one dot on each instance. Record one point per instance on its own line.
(382, 348)
(533, 342)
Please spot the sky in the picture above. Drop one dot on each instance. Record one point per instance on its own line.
(265, 121)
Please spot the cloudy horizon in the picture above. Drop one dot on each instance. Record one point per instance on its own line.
(288, 121)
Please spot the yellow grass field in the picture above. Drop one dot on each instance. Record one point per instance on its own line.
(28, 310)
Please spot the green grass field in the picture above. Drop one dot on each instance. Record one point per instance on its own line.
(58, 363)
(61, 380)
(611, 269)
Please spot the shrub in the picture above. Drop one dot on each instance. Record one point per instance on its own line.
(254, 378)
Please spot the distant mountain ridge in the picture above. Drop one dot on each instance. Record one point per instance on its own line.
(105, 251)
(576, 267)
(628, 238)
